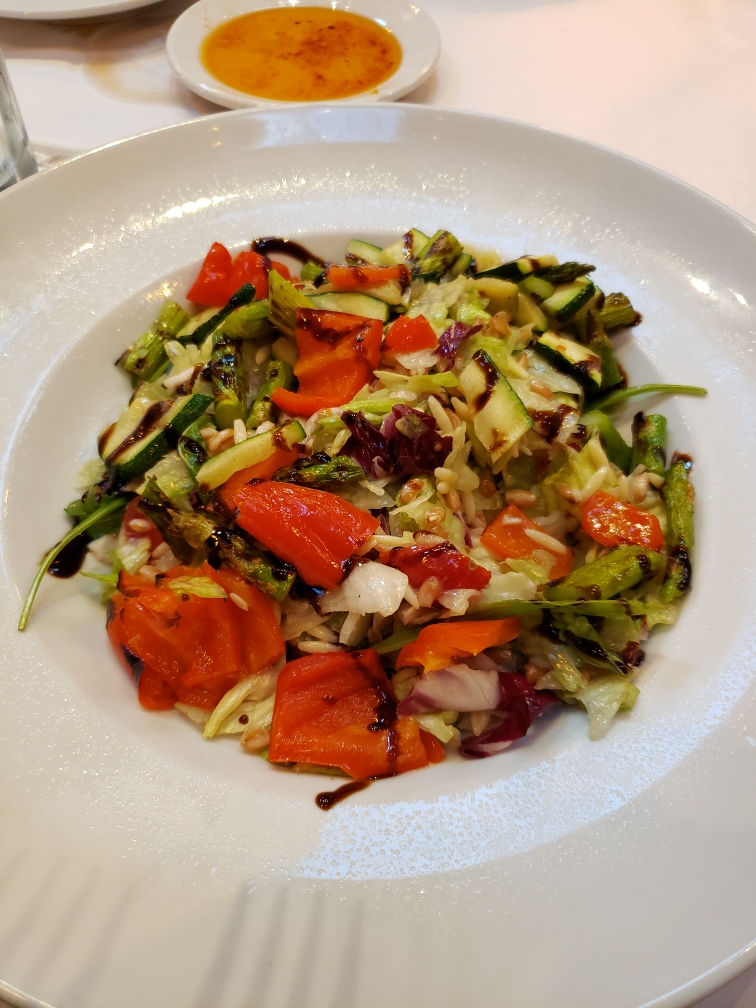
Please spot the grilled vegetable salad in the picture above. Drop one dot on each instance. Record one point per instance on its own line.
(380, 511)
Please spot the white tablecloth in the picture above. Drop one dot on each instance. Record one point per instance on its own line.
(671, 82)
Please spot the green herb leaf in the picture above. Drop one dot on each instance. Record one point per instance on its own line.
(617, 397)
(110, 507)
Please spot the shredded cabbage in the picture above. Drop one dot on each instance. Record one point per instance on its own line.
(202, 587)
(436, 725)
(89, 474)
(603, 697)
(254, 688)
(133, 554)
(370, 588)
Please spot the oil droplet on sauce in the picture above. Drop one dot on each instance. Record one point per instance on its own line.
(301, 53)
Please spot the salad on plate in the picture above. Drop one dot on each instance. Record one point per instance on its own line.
(379, 512)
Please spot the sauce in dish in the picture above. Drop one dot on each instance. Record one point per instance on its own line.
(301, 53)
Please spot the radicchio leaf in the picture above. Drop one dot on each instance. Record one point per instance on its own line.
(414, 440)
(449, 341)
(367, 446)
(417, 424)
(521, 704)
(457, 687)
(408, 442)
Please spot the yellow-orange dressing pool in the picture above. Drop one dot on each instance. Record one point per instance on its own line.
(301, 53)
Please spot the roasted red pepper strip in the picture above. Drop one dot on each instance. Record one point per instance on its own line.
(153, 691)
(251, 268)
(443, 644)
(135, 634)
(357, 277)
(337, 356)
(299, 404)
(613, 523)
(201, 634)
(314, 530)
(282, 269)
(339, 710)
(212, 285)
(262, 471)
(407, 335)
(451, 568)
(261, 641)
(220, 277)
(198, 647)
(507, 538)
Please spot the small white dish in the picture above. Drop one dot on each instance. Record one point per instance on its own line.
(411, 26)
(77, 11)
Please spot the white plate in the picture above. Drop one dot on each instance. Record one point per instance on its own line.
(80, 11)
(411, 26)
(141, 865)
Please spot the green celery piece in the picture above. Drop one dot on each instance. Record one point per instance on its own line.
(397, 640)
(616, 572)
(284, 300)
(678, 496)
(320, 474)
(617, 449)
(109, 507)
(649, 442)
(140, 359)
(617, 311)
(414, 383)
(369, 408)
(250, 321)
(278, 375)
(618, 396)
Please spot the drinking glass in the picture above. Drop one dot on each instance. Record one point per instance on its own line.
(16, 158)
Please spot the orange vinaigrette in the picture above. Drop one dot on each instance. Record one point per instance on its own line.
(301, 53)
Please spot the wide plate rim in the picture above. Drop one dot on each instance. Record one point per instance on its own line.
(95, 10)
(335, 106)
